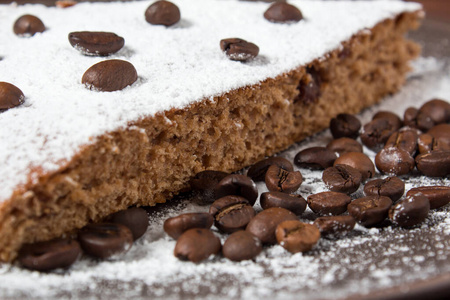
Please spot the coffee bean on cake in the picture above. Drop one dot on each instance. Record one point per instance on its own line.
(392, 187)
(342, 178)
(278, 179)
(241, 245)
(10, 96)
(135, 218)
(65, 3)
(315, 158)
(375, 133)
(434, 164)
(359, 161)
(175, 226)
(257, 172)
(344, 145)
(162, 13)
(329, 203)
(309, 87)
(394, 161)
(197, 244)
(345, 125)
(293, 203)
(96, 42)
(282, 12)
(231, 213)
(410, 211)
(239, 49)
(438, 195)
(110, 75)
(296, 236)
(239, 185)
(437, 109)
(370, 210)
(335, 224)
(28, 25)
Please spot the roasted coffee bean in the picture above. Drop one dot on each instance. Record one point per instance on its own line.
(175, 226)
(135, 218)
(393, 119)
(342, 179)
(328, 203)
(96, 42)
(345, 125)
(438, 110)
(241, 245)
(293, 203)
(257, 172)
(437, 195)
(344, 145)
(197, 244)
(370, 210)
(231, 213)
(394, 161)
(375, 133)
(335, 224)
(282, 12)
(104, 240)
(426, 143)
(239, 49)
(359, 161)
(203, 183)
(110, 75)
(410, 211)
(28, 25)
(434, 164)
(162, 13)
(296, 236)
(239, 185)
(10, 96)
(263, 225)
(392, 187)
(50, 255)
(417, 119)
(404, 139)
(280, 180)
(441, 137)
(315, 158)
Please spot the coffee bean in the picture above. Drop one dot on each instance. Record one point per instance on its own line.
(392, 187)
(104, 240)
(239, 49)
(437, 195)
(441, 137)
(434, 164)
(135, 218)
(410, 211)
(375, 133)
(438, 110)
(344, 145)
(263, 225)
(10, 96)
(239, 185)
(394, 161)
(96, 42)
(257, 172)
(281, 12)
(404, 139)
(335, 224)
(293, 203)
(50, 255)
(345, 125)
(197, 244)
(110, 75)
(426, 143)
(359, 161)
(203, 183)
(342, 179)
(28, 25)
(315, 158)
(370, 210)
(417, 119)
(231, 213)
(296, 236)
(393, 119)
(278, 179)
(328, 203)
(162, 13)
(309, 87)
(241, 245)
(175, 226)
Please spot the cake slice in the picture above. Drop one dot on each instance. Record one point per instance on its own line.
(71, 155)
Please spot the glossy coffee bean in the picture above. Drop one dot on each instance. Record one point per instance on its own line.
(50, 255)
(328, 203)
(342, 179)
(359, 161)
(96, 42)
(281, 12)
(257, 172)
(162, 13)
(392, 187)
(404, 139)
(203, 183)
(375, 133)
(175, 226)
(315, 158)
(231, 213)
(28, 25)
(345, 125)
(437, 195)
(197, 244)
(434, 164)
(104, 240)
(239, 49)
(238, 185)
(426, 143)
(370, 210)
(393, 119)
(263, 225)
(110, 75)
(410, 211)
(135, 218)
(241, 245)
(417, 119)
(10, 96)
(335, 224)
(344, 145)
(293, 203)
(394, 161)
(280, 180)
(438, 110)
(296, 236)
(441, 137)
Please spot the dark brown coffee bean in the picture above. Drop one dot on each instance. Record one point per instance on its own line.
(231, 213)
(417, 119)
(437, 195)
(315, 158)
(281, 12)
(280, 180)
(203, 183)
(359, 161)
(426, 143)
(410, 211)
(392, 187)
(328, 203)
(162, 13)
(239, 49)
(342, 179)
(293, 203)
(344, 145)
(175, 226)
(335, 224)
(135, 218)
(393, 119)
(241, 245)
(394, 161)
(257, 172)
(110, 75)
(10, 96)
(239, 185)
(434, 164)
(263, 225)
(375, 133)
(441, 137)
(28, 25)
(96, 42)
(345, 125)
(438, 110)
(197, 244)
(104, 240)
(50, 255)
(370, 210)
(296, 236)
(404, 139)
